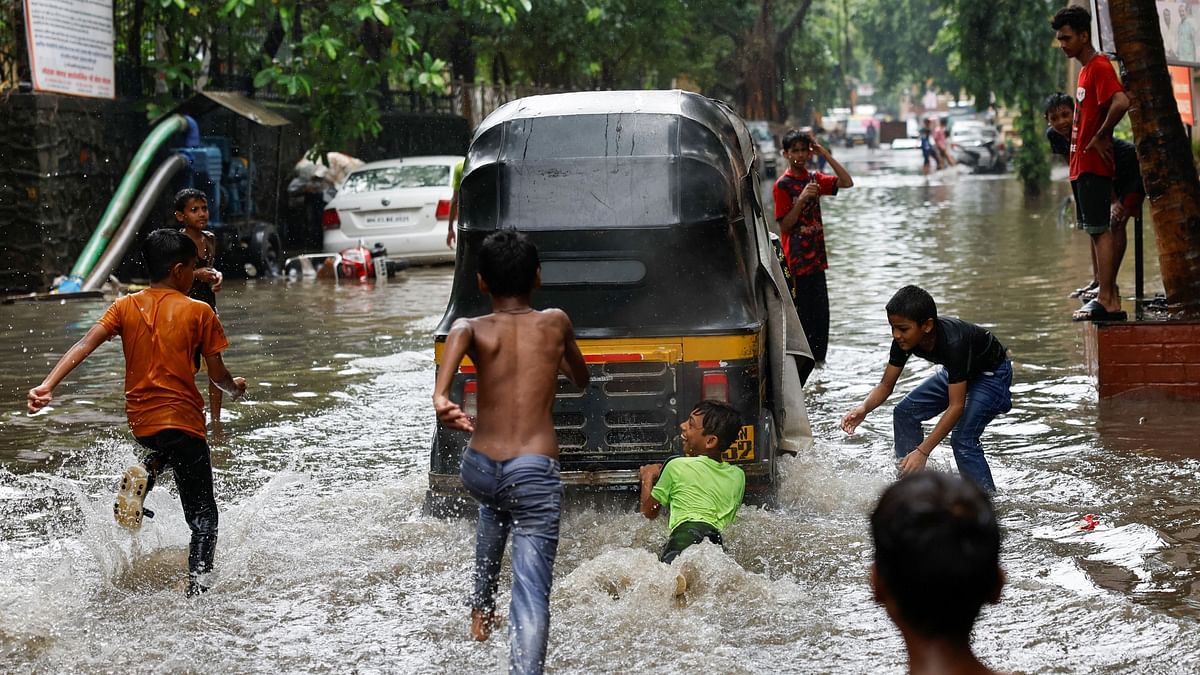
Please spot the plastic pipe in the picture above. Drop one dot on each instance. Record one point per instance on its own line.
(120, 202)
(159, 180)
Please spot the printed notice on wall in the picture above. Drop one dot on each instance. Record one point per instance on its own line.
(71, 46)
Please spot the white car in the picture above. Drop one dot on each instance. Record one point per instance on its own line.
(403, 204)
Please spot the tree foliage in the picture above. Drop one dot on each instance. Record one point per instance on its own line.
(1001, 48)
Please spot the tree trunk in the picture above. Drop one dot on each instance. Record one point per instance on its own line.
(1172, 186)
(761, 86)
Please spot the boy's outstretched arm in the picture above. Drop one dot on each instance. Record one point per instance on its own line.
(219, 375)
(573, 364)
(457, 342)
(915, 460)
(647, 504)
(874, 399)
(41, 395)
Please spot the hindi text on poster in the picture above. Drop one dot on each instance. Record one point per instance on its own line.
(71, 46)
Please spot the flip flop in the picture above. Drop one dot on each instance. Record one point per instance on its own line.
(1079, 292)
(1094, 311)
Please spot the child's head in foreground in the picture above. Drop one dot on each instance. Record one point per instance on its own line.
(712, 427)
(799, 139)
(1059, 110)
(913, 303)
(166, 248)
(508, 264)
(937, 554)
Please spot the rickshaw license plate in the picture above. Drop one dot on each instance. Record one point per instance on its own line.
(742, 449)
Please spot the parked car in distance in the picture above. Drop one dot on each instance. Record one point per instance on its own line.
(765, 147)
(403, 204)
(856, 132)
(978, 145)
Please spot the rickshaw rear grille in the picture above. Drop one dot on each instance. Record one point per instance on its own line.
(634, 418)
(636, 438)
(571, 439)
(625, 412)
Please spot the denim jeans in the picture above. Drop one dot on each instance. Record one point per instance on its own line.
(988, 395)
(524, 495)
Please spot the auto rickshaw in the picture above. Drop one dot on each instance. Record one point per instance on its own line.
(645, 210)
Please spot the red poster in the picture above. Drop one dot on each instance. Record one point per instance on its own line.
(1181, 83)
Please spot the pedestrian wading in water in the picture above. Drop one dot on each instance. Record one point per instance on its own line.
(161, 329)
(968, 391)
(191, 211)
(511, 464)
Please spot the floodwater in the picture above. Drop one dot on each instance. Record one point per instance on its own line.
(326, 563)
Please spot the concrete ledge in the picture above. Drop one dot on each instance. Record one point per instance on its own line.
(1144, 356)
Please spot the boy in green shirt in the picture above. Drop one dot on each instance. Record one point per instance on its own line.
(703, 492)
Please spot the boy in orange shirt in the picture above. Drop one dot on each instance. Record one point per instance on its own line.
(161, 330)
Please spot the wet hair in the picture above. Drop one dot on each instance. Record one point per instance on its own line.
(508, 263)
(1057, 100)
(794, 136)
(937, 552)
(1075, 17)
(164, 248)
(186, 195)
(913, 302)
(721, 420)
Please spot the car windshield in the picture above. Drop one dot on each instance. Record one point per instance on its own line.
(759, 132)
(407, 176)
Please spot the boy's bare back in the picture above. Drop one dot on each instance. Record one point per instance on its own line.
(517, 355)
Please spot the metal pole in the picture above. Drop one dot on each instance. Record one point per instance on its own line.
(1138, 267)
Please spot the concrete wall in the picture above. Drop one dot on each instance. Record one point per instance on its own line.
(61, 159)
(1160, 356)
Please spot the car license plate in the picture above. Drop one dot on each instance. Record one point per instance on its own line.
(388, 219)
(742, 449)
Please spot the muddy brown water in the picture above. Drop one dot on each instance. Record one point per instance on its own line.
(326, 563)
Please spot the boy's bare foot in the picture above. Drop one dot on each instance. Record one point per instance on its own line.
(482, 623)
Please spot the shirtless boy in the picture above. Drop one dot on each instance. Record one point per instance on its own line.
(511, 464)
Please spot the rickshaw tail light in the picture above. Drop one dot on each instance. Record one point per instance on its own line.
(715, 386)
(330, 220)
(470, 402)
(443, 209)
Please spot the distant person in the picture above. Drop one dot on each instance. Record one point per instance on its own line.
(1100, 105)
(161, 329)
(702, 491)
(1128, 192)
(939, 144)
(455, 183)
(971, 388)
(797, 196)
(511, 465)
(191, 211)
(929, 153)
(937, 563)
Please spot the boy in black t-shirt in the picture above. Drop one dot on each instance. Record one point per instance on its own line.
(972, 387)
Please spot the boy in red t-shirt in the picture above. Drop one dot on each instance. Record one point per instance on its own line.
(161, 330)
(798, 211)
(1100, 104)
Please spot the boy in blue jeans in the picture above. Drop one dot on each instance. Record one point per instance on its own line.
(971, 388)
(511, 464)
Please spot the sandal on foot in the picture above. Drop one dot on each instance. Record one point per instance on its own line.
(1094, 311)
(128, 509)
(1079, 292)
